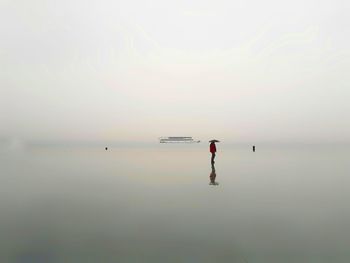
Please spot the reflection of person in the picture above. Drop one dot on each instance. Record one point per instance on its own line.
(212, 148)
(212, 176)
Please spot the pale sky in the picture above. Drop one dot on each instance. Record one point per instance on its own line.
(239, 71)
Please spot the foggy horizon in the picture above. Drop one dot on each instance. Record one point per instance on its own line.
(88, 88)
(135, 71)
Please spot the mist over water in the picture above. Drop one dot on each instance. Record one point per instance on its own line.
(76, 76)
(156, 204)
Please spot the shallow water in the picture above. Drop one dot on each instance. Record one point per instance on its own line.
(156, 204)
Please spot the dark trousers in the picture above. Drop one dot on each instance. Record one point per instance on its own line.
(212, 157)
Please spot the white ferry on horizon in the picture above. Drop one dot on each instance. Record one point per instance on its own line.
(175, 139)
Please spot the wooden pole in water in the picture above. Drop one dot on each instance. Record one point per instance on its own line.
(253, 148)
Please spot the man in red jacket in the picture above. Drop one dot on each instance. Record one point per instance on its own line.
(212, 148)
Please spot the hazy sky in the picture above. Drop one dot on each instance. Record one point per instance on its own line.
(239, 71)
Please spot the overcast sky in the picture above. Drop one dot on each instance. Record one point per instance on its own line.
(240, 71)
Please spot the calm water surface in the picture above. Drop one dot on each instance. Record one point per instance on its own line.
(156, 204)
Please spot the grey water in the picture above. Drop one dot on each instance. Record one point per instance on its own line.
(156, 204)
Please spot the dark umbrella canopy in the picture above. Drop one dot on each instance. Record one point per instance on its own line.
(214, 141)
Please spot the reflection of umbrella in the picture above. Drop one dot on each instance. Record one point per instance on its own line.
(214, 141)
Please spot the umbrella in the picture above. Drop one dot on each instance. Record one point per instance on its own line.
(214, 140)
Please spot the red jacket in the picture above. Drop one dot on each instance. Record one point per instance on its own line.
(212, 148)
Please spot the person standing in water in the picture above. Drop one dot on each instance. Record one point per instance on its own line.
(212, 149)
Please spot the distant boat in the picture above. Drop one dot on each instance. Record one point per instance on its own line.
(178, 140)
